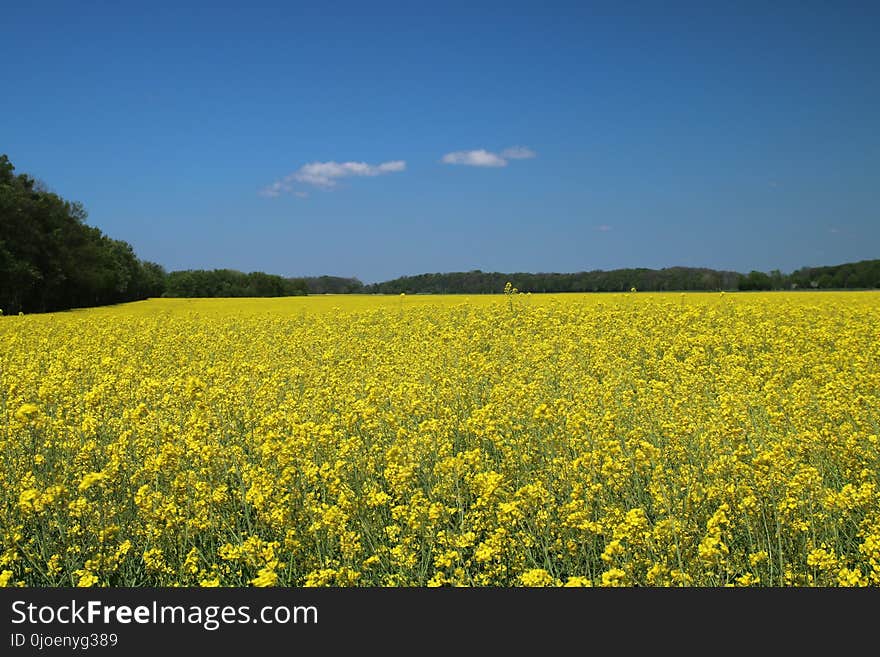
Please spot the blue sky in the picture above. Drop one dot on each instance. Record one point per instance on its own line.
(377, 139)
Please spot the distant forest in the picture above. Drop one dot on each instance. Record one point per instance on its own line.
(854, 275)
(50, 259)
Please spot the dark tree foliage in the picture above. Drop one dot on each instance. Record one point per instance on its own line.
(864, 274)
(50, 259)
(855, 275)
(755, 280)
(333, 285)
(617, 280)
(231, 283)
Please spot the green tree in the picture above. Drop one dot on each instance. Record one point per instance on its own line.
(50, 259)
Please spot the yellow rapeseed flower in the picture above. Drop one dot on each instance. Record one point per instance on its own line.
(175, 442)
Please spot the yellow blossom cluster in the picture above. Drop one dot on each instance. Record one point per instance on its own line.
(495, 440)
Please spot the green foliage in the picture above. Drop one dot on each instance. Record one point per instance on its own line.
(50, 259)
(231, 283)
(618, 280)
(864, 274)
(857, 275)
(333, 285)
(755, 280)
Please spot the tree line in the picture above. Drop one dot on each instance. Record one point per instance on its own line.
(230, 283)
(855, 275)
(224, 282)
(50, 259)
(616, 280)
(864, 274)
(233, 283)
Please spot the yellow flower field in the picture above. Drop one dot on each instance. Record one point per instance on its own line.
(512, 440)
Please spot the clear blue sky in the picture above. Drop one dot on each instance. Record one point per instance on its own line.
(377, 139)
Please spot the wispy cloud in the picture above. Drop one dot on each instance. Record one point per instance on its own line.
(604, 228)
(325, 175)
(477, 158)
(276, 189)
(518, 153)
(483, 158)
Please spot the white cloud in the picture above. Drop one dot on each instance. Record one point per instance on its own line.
(478, 158)
(326, 174)
(518, 153)
(392, 167)
(604, 228)
(275, 189)
(483, 158)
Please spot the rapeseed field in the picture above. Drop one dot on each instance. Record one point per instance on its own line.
(625, 439)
